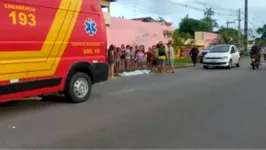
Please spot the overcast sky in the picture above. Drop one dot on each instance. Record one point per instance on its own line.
(175, 10)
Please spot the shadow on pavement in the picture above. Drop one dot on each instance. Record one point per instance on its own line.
(16, 107)
(29, 104)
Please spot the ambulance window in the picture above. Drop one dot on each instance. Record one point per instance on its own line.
(105, 9)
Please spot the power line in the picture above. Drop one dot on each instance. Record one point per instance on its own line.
(220, 8)
(176, 3)
(141, 9)
(185, 5)
(138, 8)
(182, 4)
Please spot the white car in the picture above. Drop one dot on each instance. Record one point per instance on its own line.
(222, 56)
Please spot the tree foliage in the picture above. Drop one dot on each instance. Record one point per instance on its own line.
(230, 36)
(190, 26)
(208, 20)
(180, 39)
(206, 24)
(261, 40)
(160, 19)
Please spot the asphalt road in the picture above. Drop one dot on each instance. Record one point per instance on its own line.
(193, 108)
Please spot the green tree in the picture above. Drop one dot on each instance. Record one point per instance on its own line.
(262, 32)
(180, 39)
(190, 26)
(261, 37)
(211, 23)
(160, 19)
(230, 36)
(262, 42)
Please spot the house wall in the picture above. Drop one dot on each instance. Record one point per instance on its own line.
(123, 31)
(107, 17)
(207, 37)
(202, 40)
(106, 14)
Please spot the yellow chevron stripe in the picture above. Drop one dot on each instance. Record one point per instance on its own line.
(50, 64)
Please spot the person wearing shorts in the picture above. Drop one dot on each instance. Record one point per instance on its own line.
(132, 59)
(171, 57)
(117, 60)
(161, 53)
(111, 60)
(140, 58)
(127, 58)
(122, 57)
(150, 58)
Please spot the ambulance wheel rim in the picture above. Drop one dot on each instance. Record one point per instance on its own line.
(81, 87)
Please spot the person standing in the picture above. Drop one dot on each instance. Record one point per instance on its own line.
(140, 58)
(127, 58)
(132, 59)
(111, 60)
(161, 53)
(171, 57)
(149, 58)
(154, 60)
(194, 55)
(117, 60)
(264, 51)
(122, 57)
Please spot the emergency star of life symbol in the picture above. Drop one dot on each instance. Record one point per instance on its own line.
(90, 27)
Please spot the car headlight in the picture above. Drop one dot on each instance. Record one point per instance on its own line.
(225, 57)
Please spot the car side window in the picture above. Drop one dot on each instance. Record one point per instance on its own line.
(232, 50)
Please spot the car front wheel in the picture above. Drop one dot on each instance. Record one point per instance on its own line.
(238, 63)
(229, 64)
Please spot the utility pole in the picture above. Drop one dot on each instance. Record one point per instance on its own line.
(239, 28)
(228, 22)
(246, 27)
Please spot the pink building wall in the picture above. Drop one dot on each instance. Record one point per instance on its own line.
(123, 31)
(210, 38)
(130, 32)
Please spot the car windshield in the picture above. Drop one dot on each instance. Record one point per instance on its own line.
(209, 47)
(220, 49)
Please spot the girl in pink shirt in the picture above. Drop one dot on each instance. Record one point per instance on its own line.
(140, 55)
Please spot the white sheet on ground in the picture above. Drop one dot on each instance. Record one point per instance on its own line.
(134, 73)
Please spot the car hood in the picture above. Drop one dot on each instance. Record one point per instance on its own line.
(216, 54)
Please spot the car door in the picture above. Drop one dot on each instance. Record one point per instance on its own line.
(233, 55)
(237, 54)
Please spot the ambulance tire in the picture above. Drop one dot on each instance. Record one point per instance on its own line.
(78, 89)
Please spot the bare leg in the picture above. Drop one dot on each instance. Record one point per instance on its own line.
(112, 70)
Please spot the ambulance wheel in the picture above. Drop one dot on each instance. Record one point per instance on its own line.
(78, 89)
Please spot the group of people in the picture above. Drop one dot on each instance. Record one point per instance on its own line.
(130, 58)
